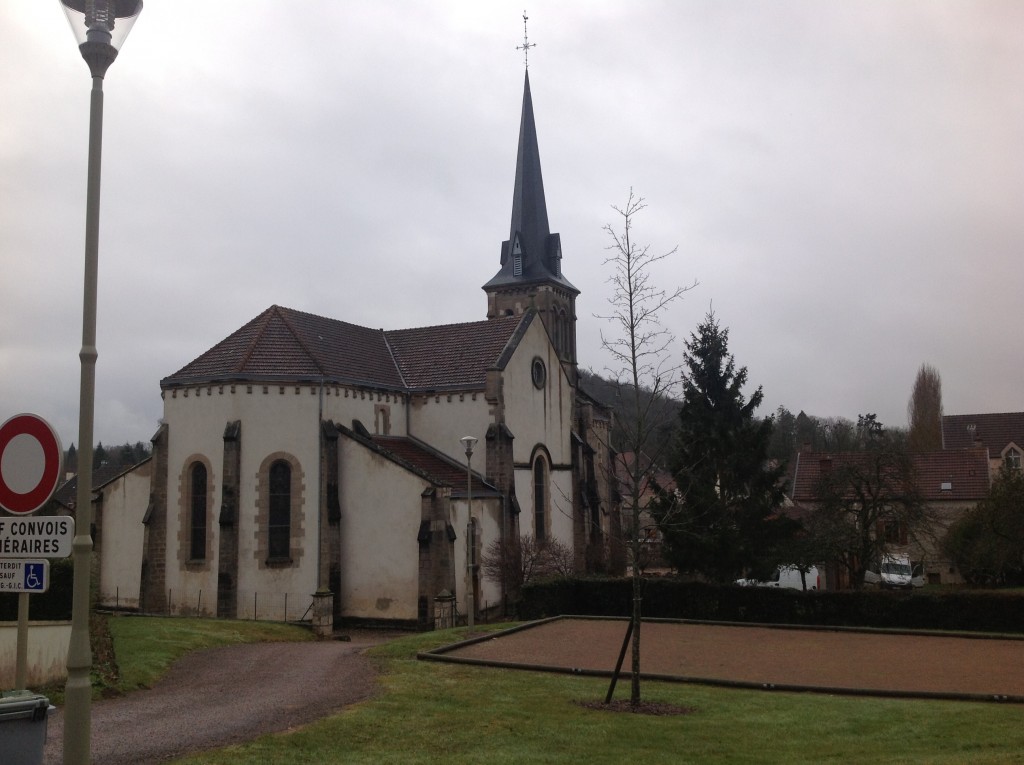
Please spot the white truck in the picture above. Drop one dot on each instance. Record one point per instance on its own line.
(787, 577)
(894, 573)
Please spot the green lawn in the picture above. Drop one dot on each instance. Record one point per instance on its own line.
(428, 712)
(145, 647)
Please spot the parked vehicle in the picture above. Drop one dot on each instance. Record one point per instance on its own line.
(787, 577)
(895, 573)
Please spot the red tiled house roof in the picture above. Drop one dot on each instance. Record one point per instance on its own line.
(994, 431)
(941, 475)
(284, 344)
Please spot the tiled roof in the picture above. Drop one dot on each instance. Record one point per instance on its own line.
(452, 355)
(995, 431)
(284, 344)
(964, 471)
(442, 470)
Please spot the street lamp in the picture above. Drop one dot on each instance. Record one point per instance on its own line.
(469, 442)
(100, 26)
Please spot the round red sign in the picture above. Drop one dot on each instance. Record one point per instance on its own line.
(31, 461)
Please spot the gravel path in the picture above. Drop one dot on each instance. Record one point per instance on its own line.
(834, 660)
(223, 696)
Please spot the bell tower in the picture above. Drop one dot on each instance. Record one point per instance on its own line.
(531, 258)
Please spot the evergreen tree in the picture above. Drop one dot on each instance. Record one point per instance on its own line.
(720, 519)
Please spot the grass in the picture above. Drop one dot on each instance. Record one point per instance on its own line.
(428, 712)
(130, 653)
(145, 647)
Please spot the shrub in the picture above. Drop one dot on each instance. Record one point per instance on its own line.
(667, 598)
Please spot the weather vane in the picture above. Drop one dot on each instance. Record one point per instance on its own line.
(525, 47)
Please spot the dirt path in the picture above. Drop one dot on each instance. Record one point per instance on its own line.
(224, 696)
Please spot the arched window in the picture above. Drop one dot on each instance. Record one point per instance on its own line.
(540, 499)
(279, 521)
(197, 511)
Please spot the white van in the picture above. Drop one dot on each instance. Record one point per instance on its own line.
(895, 573)
(787, 577)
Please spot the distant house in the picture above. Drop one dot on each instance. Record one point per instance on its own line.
(652, 481)
(951, 482)
(1001, 434)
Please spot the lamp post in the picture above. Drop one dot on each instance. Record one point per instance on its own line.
(100, 26)
(469, 442)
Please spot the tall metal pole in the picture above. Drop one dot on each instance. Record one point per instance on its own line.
(469, 442)
(78, 691)
(471, 538)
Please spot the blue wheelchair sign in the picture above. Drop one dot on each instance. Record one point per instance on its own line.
(35, 577)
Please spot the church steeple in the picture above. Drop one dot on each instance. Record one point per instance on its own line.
(531, 258)
(532, 254)
(529, 208)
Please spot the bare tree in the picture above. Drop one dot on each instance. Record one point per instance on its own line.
(515, 562)
(639, 347)
(924, 411)
(867, 501)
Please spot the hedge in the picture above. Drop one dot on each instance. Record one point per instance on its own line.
(666, 598)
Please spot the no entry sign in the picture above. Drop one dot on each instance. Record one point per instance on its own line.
(31, 461)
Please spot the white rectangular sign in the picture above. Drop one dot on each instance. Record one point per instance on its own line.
(32, 576)
(37, 536)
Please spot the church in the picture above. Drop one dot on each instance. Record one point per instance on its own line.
(309, 468)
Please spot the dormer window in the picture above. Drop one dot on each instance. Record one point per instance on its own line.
(1012, 458)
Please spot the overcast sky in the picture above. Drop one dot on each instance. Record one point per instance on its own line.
(844, 179)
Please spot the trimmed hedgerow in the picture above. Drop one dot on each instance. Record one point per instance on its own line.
(666, 598)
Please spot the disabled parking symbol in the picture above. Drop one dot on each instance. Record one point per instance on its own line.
(34, 577)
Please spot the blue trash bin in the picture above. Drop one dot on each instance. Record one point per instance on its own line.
(23, 716)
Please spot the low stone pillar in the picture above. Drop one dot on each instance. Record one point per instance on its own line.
(444, 610)
(323, 614)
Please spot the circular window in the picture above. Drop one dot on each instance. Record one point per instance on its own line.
(538, 372)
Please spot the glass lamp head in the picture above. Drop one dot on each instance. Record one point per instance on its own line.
(101, 21)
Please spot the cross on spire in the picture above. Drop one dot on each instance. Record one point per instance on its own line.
(525, 47)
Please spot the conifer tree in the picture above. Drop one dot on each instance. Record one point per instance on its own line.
(721, 520)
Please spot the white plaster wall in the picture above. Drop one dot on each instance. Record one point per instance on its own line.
(274, 419)
(343, 406)
(488, 515)
(538, 416)
(380, 518)
(123, 506)
(541, 417)
(443, 419)
(560, 487)
(47, 653)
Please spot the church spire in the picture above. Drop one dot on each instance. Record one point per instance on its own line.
(529, 209)
(530, 277)
(532, 254)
